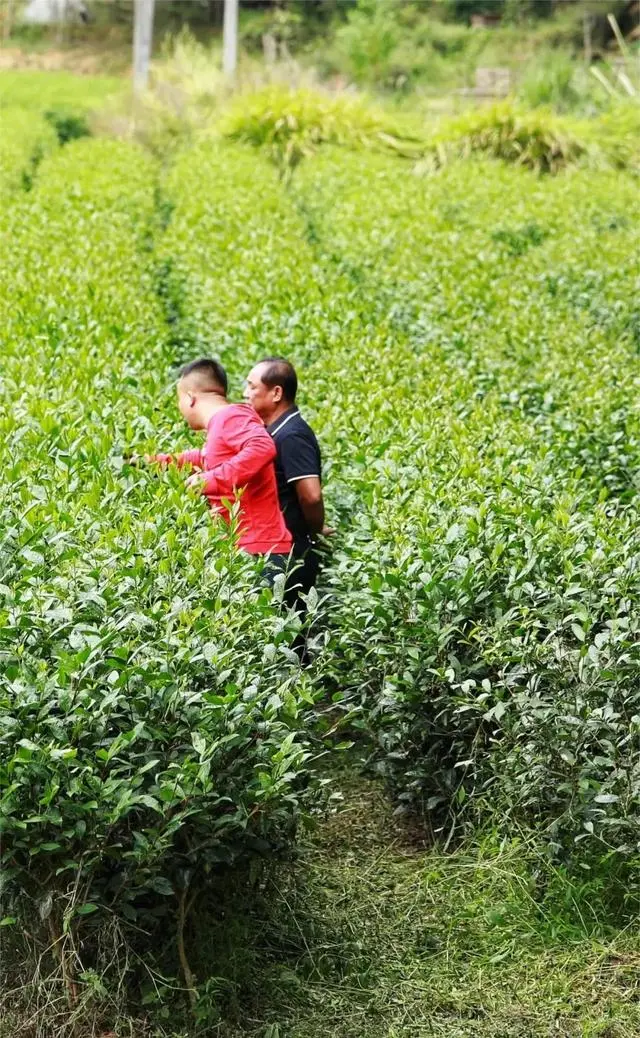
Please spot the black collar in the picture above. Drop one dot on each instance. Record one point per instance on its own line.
(280, 422)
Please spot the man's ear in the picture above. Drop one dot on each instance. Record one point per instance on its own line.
(277, 394)
(192, 400)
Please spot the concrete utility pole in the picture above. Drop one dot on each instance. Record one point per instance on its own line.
(230, 37)
(142, 41)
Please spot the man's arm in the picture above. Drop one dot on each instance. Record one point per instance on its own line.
(301, 464)
(190, 457)
(309, 492)
(254, 449)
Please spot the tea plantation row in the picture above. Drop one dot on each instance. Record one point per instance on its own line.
(151, 714)
(467, 346)
(26, 137)
(506, 500)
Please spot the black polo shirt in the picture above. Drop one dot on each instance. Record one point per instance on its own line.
(298, 456)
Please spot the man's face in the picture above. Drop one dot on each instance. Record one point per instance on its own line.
(186, 403)
(263, 399)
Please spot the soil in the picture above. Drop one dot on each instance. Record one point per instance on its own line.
(73, 59)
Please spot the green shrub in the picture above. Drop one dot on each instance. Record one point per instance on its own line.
(291, 124)
(26, 139)
(152, 718)
(551, 80)
(397, 47)
(537, 140)
(368, 40)
(69, 125)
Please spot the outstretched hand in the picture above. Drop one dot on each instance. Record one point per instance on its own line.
(136, 460)
(195, 481)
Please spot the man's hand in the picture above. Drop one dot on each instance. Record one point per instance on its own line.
(196, 481)
(137, 460)
(309, 492)
(327, 531)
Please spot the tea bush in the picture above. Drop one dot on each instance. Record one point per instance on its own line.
(232, 255)
(153, 714)
(38, 90)
(490, 634)
(467, 345)
(25, 141)
(481, 627)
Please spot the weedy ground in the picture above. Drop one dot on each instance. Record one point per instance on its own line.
(373, 935)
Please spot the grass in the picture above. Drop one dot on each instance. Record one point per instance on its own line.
(371, 935)
(38, 89)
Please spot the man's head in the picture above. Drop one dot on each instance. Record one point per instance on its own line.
(200, 382)
(271, 387)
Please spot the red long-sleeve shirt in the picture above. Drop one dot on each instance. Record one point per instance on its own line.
(238, 455)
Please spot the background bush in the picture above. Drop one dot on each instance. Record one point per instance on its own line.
(291, 124)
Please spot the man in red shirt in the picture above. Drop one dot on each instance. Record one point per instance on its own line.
(236, 462)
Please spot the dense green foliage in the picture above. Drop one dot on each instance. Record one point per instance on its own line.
(290, 125)
(151, 710)
(430, 47)
(487, 639)
(38, 92)
(408, 48)
(467, 343)
(535, 140)
(25, 140)
(495, 617)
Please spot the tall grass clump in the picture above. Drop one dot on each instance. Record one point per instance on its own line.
(291, 124)
(537, 139)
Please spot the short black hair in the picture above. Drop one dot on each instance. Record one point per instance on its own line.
(210, 374)
(280, 372)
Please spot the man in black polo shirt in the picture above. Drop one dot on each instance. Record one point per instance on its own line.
(271, 388)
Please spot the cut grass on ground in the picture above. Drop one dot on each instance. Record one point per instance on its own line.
(371, 936)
